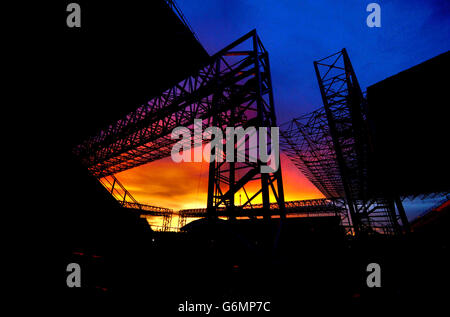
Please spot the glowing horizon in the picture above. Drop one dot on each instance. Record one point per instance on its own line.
(184, 185)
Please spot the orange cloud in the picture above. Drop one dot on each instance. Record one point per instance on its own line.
(184, 185)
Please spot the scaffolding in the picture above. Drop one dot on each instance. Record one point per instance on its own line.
(233, 90)
(332, 147)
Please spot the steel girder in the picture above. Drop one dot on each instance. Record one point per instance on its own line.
(332, 146)
(343, 105)
(144, 135)
(125, 199)
(346, 111)
(322, 206)
(256, 109)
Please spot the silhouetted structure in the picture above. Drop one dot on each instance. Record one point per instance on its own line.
(233, 89)
(333, 148)
(287, 262)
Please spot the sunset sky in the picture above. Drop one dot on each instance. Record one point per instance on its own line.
(184, 185)
(296, 33)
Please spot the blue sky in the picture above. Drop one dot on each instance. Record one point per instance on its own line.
(297, 32)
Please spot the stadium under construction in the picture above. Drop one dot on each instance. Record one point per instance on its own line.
(345, 148)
